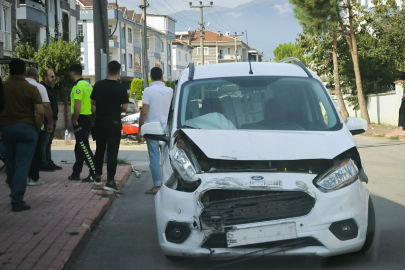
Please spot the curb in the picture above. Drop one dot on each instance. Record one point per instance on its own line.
(92, 220)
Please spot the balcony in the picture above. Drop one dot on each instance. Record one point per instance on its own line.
(137, 45)
(5, 37)
(31, 13)
(64, 5)
(228, 57)
(123, 67)
(113, 42)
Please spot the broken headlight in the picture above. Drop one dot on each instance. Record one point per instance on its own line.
(185, 164)
(338, 176)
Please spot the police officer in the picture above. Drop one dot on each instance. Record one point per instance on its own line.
(81, 109)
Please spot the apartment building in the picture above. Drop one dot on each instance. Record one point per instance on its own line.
(181, 55)
(125, 45)
(7, 27)
(218, 48)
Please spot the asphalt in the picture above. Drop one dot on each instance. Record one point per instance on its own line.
(126, 238)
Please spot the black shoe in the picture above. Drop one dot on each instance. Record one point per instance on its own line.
(47, 168)
(97, 181)
(112, 187)
(74, 177)
(16, 207)
(56, 167)
(88, 179)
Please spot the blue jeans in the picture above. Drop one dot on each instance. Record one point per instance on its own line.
(154, 159)
(46, 157)
(19, 144)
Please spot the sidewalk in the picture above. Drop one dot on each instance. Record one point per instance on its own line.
(63, 213)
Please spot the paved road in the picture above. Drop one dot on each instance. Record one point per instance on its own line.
(126, 238)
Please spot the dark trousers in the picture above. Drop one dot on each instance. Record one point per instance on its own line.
(46, 157)
(108, 137)
(19, 144)
(83, 152)
(36, 160)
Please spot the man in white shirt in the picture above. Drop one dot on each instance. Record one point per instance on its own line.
(32, 76)
(155, 108)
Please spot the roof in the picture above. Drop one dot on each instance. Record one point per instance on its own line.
(131, 14)
(87, 3)
(138, 18)
(242, 69)
(179, 42)
(211, 36)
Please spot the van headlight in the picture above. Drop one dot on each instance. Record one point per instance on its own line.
(185, 164)
(338, 176)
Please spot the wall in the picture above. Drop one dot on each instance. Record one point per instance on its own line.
(382, 108)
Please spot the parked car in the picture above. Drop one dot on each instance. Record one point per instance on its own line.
(264, 166)
(132, 109)
(130, 126)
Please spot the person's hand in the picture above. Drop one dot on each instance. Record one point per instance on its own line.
(49, 129)
(75, 123)
(139, 137)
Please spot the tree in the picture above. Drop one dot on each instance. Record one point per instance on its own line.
(28, 41)
(59, 56)
(285, 50)
(318, 18)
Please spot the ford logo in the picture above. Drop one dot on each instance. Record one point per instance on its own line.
(257, 178)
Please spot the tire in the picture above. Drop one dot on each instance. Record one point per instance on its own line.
(175, 258)
(370, 228)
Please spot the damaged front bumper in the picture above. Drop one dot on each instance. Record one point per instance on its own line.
(226, 232)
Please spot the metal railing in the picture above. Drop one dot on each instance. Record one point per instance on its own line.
(5, 37)
(32, 3)
(64, 5)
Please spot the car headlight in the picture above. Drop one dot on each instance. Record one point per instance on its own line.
(338, 176)
(185, 165)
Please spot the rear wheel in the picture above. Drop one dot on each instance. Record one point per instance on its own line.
(370, 228)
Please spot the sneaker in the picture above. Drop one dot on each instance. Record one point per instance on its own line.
(88, 179)
(112, 187)
(16, 207)
(56, 167)
(97, 181)
(47, 168)
(74, 177)
(31, 182)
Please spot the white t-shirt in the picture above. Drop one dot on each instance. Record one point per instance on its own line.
(158, 97)
(41, 88)
(42, 91)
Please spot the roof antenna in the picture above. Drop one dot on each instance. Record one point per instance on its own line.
(250, 63)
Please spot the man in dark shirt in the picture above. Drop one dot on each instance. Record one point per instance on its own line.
(110, 99)
(47, 164)
(20, 122)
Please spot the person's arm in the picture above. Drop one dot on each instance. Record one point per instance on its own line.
(93, 106)
(48, 115)
(142, 119)
(124, 107)
(76, 114)
(39, 116)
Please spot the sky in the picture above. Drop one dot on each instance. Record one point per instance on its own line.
(177, 5)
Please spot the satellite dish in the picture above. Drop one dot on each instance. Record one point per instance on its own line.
(208, 23)
(181, 37)
(189, 28)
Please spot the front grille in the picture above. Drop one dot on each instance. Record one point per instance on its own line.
(218, 240)
(240, 209)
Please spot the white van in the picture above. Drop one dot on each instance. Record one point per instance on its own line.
(259, 162)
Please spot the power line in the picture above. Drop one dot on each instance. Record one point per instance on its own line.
(163, 15)
(179, 13)
(223, 19)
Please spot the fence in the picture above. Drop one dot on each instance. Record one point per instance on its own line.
(382, 108)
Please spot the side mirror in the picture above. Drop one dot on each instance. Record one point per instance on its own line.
(356, 125)
(154, 131)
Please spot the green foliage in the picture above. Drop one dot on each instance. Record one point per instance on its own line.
(285, 50)
(171, 84)
(137, 88)
(28, 41)
(59, 55)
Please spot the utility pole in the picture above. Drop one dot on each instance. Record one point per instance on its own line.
(201, 7)
(101, 46)
(235, 36)
(145, 45)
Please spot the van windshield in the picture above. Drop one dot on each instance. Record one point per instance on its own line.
(257, 103)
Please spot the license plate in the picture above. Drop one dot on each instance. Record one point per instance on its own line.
(262, 234)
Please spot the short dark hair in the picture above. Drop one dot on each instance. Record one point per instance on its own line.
(156, 74)
(45, 73)
(32, 72)
(17, 67)
(113, 68)
(76, 69)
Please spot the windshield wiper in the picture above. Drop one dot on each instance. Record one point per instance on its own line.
(185, 126)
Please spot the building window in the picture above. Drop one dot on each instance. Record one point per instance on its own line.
(111, 57)
(186, 57)
(131, 61)
(148, 42)
(123, 61)
(169, 50)
(123, 33)
(163, 47)
(80, 32)
(52, 8)
(162, 66)
(129, 35)
(110, 30)
(169, 71)
(65, 26)
(206, 51)
(229, 50)
(179, 56)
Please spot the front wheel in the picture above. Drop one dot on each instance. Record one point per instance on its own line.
(370, 228)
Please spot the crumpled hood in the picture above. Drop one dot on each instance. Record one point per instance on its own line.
(270, 145)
